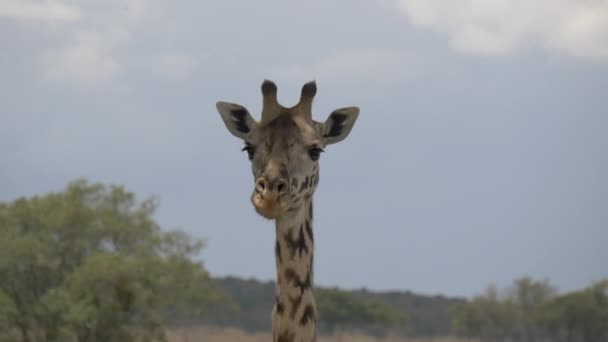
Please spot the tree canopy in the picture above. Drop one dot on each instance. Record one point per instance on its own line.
(579, 315)
(91, 264)
(532, 310)
(339, 308)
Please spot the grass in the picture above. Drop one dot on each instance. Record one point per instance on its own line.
(195, 334)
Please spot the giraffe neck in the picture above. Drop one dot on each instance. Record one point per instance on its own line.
(294, 314)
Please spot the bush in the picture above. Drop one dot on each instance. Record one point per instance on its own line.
(91, 264)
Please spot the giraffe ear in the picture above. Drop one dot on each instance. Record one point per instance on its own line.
(236, 118)
(339, 124)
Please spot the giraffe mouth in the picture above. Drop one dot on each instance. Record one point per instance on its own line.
(267, 206)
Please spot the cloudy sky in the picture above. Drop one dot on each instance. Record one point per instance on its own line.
(479, 155)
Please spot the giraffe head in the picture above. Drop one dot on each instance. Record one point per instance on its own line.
(284, 147)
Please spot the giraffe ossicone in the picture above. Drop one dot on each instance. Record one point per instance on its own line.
(284, 147)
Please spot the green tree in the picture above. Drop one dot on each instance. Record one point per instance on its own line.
(91, 264)
(487, 316)
(341, 309)
(527, 296)
(467, 320)
(578, 315)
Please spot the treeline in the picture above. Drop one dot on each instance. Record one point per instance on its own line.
(532, 310)
(374, 313)
(91, 264)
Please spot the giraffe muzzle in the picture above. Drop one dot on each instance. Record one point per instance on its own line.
(266, 197)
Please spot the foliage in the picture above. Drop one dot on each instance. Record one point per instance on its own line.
(340, 308)
(578, 315)
(91, 264)
(388, 311)
(528, 296)
(532, 311)
(486, 316)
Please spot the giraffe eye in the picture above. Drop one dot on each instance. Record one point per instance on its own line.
(315, 153)
(250, 151)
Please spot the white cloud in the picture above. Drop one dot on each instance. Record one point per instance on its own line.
(91, 55)
(87, 36)
(349, 65)
(136, 11)
(498, 27)
(89, 58)
(174, 66)
(93, 52)
(39, 10)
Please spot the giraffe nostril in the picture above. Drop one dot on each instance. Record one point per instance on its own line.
(277, 187)
(261, 185)
(281, 186)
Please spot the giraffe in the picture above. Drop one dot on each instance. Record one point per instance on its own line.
(284, 149)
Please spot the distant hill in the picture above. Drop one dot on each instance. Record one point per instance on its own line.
(426, 315)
